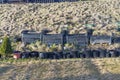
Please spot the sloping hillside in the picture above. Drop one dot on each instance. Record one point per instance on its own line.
(102, 14)
(74, 69)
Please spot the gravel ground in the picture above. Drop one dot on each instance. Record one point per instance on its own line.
(103, 14)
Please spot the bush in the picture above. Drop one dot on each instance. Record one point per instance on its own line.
(6, 48)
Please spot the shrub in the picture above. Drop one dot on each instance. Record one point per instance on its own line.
(6, 48)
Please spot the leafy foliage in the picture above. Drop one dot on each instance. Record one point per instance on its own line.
(6, 47)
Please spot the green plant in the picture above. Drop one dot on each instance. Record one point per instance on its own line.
(6, 48)
(53, 47)
(37, 46)
(69, 46)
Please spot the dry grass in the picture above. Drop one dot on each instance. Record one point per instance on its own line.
(69, 69)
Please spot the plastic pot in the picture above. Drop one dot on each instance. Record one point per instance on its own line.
(82, 55)
(25, 55)
(16, 54)
(96, 53)
(74, 54)
(34, 54)
(42, 55)
(50, 55)
(65, 55)
(103, 53)
(57, 55)
(89, 54)
(113, 53)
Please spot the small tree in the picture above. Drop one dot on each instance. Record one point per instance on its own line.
(6, 47)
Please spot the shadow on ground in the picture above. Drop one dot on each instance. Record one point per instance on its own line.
(84, 69)
(5, 69)
(107, 76)
(95, 74)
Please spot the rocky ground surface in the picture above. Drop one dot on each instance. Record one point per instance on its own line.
(102, 14)
(74, 69)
